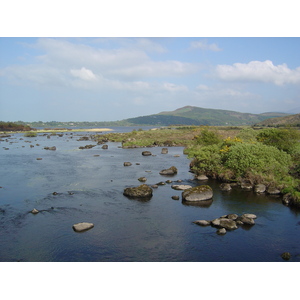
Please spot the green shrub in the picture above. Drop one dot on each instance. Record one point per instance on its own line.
(30, 134)
(208, 137)
(257, 158)
(283, 139)
(247, 134)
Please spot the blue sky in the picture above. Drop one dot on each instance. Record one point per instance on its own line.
(108, 79)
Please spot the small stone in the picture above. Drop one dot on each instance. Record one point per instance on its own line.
(175, 197)
(202, 222)
(127, 164)
(250, 216)
(39, 158)
(225, 187)
(181, 186)
(142, 179)
(54, 193)
(146, 153)
(221, 231)
(286, 255)
(105, 147)
(34, 211)
(82, 226)
(202, 177)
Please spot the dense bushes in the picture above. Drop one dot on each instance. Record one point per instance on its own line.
(269, 156)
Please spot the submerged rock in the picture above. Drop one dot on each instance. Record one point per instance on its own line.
(225, 187)
(82, 226)
(164, 151)
(198, 193)
(142, 191)
(181, 186)
(286, 255)
(202, 222)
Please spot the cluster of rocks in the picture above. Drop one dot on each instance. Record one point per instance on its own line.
(87, 147)
(228, 222)
(257, 188)
(50, 148)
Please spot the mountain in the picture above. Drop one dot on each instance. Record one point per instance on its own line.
(291, 120)
(192, 115)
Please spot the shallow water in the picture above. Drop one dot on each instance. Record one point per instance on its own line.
(90, 189)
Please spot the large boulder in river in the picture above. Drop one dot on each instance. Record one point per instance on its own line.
(171, 171)
(142, 191)
(146, 153)
(198, 193)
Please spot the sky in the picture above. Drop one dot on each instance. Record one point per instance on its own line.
(109, 79)
(48, 75)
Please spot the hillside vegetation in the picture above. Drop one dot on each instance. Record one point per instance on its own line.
(293, 120)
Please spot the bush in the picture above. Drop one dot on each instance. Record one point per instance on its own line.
(208, 137)
(30, 134)
(283, 139)
(257, 158)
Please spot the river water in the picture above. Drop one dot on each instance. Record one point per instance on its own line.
(89, 184)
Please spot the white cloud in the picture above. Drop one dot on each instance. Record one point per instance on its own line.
(259, 71)
(203, 45)
(83, 73)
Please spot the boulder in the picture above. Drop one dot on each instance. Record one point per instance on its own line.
(246, 186)
(198, 193)
(171, 171)
(232, 216)
(259, 188)
(225, 187)
(50, 148)
(164, 151)
(175, 197)
(246, 221)
(105, 147)
(142, 191)
(127, 164)
(181, 186)
(228, 224)
(82, 226)
(146, 153)
(201, 177)
(286, 255)
(273, 191)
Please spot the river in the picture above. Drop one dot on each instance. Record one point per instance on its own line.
(89, 184)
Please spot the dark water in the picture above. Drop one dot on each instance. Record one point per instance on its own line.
(90, 189)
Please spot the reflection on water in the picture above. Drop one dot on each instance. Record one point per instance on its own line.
(69, 186)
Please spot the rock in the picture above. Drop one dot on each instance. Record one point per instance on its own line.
(201, 177)
(225, 187)
(181, 186)
(175, 197)
(127, 164)
(287, 199)
(154, 186)
(217, 222)
(50, 148)
(164, 151)
(246, 186)
(198, 193)
(105, 147)
(142, 191)
(34, 211)
(161, 183)
(82, 226)
(39, 158)
(54, 193)
(259, 188)
(250, 216)
(169, 181)
(171, 171)
(273, 191)
(246, 221)
(221, 231)
(228, 224)
(87, 147)
(202, 222)
(142, 179)
(146, 153)
(286, 255)
(232, 216)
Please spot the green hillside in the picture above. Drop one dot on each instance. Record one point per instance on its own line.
(290, 120)
(191, 115)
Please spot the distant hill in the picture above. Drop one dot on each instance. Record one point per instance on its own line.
(192, 115)
(290, 120)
